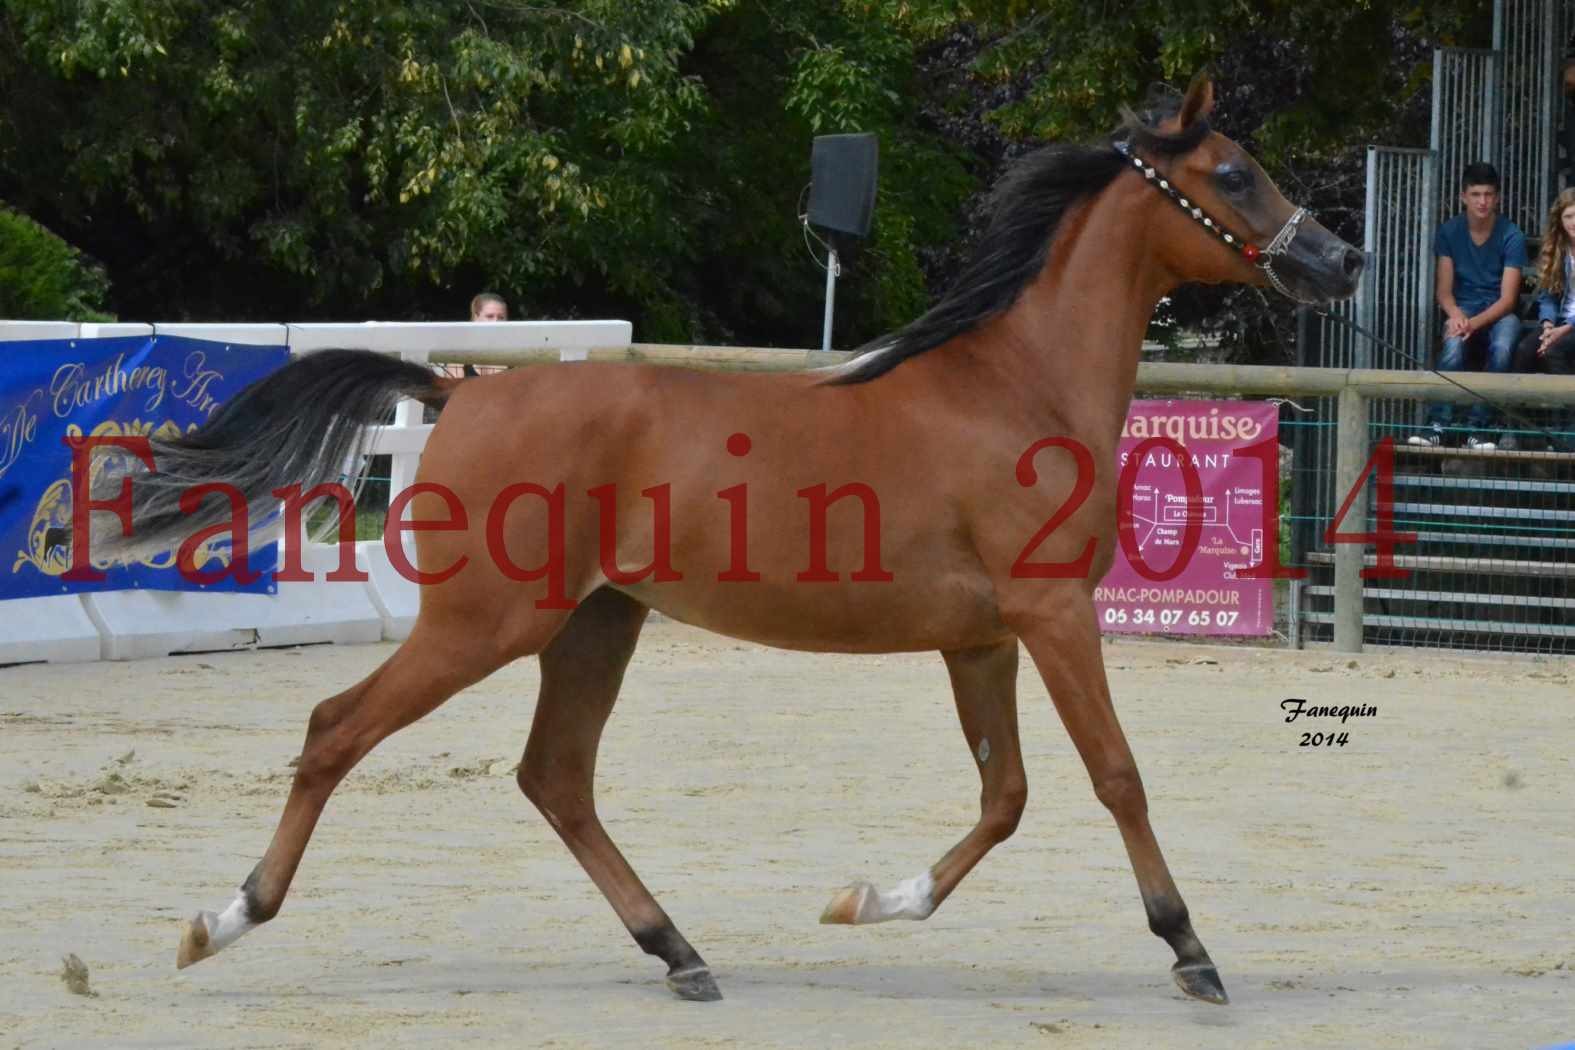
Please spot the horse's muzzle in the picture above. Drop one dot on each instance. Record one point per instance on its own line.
(1317, 266)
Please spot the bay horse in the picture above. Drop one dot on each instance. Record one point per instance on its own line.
(961, 439)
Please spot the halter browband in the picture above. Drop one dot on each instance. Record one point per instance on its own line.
(1261, 257)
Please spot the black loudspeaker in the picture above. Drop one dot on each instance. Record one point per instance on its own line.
(844, 171)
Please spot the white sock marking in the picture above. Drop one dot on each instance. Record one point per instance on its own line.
(912, 899)
(226, 928)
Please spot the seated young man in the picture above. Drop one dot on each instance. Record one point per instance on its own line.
(1480, 255)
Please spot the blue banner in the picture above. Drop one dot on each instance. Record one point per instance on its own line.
(134, 386)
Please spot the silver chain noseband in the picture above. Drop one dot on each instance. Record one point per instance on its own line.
(1263, 258)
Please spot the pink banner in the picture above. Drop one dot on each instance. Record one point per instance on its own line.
(1225, 513)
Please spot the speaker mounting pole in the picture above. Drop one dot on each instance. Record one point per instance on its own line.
(833, 271)
(841, 199)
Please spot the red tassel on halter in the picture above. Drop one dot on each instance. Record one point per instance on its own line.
(1251, 252)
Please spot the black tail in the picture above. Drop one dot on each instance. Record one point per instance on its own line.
(304, 423)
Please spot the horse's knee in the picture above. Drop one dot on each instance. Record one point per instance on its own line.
(1121, 792)
(1004, 812)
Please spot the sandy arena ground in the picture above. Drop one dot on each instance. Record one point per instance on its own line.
(1415, 888)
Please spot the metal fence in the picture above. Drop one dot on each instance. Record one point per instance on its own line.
(1467, 116)
(1530, 34)
(1309, 422)
(1493, 558)
(1487, 558)
(1484, 551)
(1395, 303)
(1493, 555)
(1494, 551)
(1396, 299)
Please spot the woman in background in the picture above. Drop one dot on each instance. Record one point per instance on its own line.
(1551, 348)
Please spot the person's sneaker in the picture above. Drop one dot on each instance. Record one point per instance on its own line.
(1508, 442)
(1477, 444)
(1432, 437)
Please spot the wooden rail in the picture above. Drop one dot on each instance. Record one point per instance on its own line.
(1154, 377)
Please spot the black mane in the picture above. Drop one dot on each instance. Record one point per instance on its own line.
(1026, 207)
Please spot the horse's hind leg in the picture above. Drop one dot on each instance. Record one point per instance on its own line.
(581, 672)
(1064, 643)
(440, 658)
(984, 684)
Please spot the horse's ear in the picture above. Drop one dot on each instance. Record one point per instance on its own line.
(1199, 102)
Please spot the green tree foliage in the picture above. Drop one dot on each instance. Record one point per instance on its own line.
(1097, 57)
(776, 76)
(641, 158)
(301, 158)
(42, 278)
(345, 153)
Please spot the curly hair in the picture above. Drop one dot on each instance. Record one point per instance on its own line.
(1555, 246)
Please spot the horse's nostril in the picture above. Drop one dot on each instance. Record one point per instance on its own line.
(1353, 262)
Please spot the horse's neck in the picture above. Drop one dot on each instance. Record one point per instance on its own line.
(1077, 330)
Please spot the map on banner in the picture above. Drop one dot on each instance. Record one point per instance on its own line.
(1207, 596)
(59, 390)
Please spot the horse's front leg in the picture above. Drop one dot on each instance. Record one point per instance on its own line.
(1061, 634)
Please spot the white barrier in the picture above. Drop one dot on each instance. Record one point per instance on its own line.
(57, 629)
(17, 331)
(124, 625)
(397, 598)
(141, 623)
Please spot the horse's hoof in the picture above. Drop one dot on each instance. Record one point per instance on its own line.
(195, 944)
(851, 905)
(695, 985)
(1201, 981)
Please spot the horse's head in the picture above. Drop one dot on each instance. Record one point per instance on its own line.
(1229, 221)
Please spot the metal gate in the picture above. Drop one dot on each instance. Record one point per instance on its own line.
(1466, 117)
(1530, 34)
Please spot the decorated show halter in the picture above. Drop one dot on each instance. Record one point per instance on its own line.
(1261, 257)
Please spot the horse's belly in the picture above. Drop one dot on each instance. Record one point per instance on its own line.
(947, 609)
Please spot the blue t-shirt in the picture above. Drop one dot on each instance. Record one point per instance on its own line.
(1479, 270)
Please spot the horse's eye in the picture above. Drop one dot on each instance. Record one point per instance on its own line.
(1235, 181)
